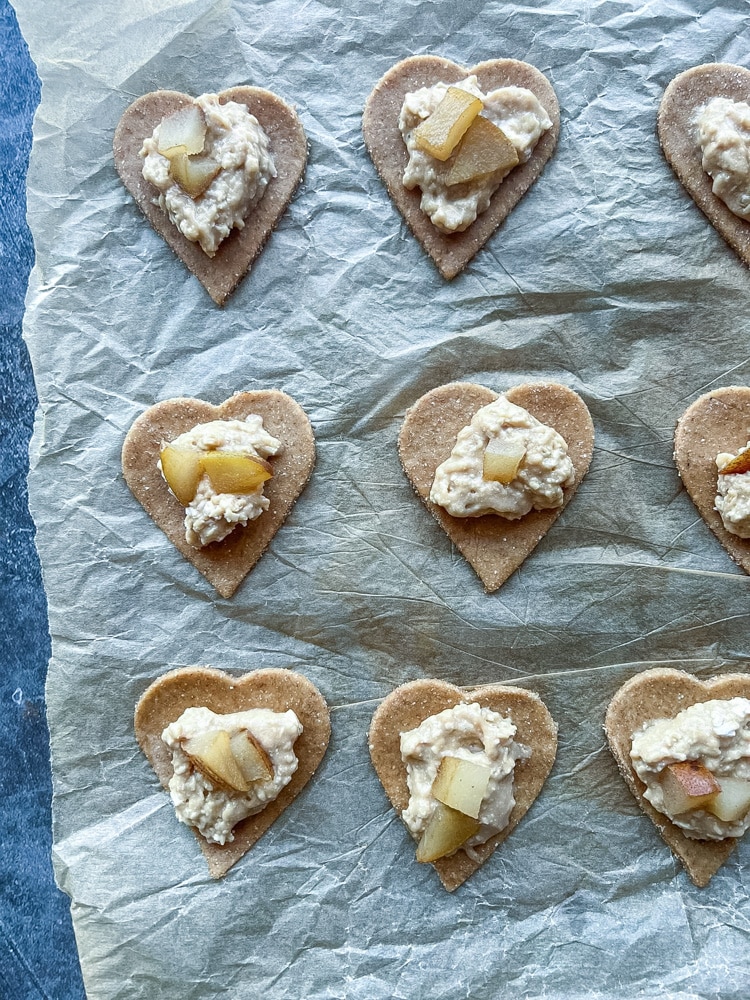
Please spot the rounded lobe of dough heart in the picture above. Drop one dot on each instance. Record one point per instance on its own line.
(662, 693)
(409, 705)
(385, 144)
(220, 274)
(224, 564)
(278, 690)
(493, 545)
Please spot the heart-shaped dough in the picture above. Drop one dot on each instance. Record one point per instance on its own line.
(225, 564)
(494, 546)
(661, 694)
(677, 134)
(718, 421)
(220, 274)
(451, 252)
(278, 690)
(412, 703)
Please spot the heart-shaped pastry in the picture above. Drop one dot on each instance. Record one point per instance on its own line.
(678, 137)
(716, 422)
(409, 705)
(662, 693)
(452, 252)
(277, 690)
(226, 563)
(493, 545)
(220, 274)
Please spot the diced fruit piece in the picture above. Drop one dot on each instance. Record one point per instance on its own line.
(447, 829)
(252, 758)
(461, 784)
(739, 464)
(733, 801)
(193, 174)
(185, 128)
(211, 754)
(502, 459)
(687, 785)
(439, 134)
(182, 470)
(485, 148)
(233, 473)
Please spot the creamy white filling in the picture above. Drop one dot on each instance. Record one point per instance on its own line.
(212, 811)
(470, 732)
(452, 209)
(211, 516)
(733, 500)
(715, 733)
(723, 129)
(459, 485)
(238, 144)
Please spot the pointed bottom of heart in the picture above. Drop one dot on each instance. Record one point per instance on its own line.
(661, 694)
(278, 690)
(409, 705)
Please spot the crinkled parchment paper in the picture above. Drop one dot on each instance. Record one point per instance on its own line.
(607, 278)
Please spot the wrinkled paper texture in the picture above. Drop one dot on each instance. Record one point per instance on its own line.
(607, 278)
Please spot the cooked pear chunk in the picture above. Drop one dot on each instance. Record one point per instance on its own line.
(686, 786)
(446, 831)
(211, 754)
(231, 472)
(185, 129)
(439, 134)
(502, 460)
(739, 464)
(252, 758)
(182, 469)
(461, 784)
(193, 173)
(733, 801)
(485, 149)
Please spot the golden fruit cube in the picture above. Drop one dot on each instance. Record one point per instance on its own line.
(182, 470)
(484, 150)
(688, 785)
(461, 784)
(231, 472)
(439, 134)
(193, 173)
(211, 754)
(251, 756)
(447, 830)
(502, 460)
(733, 801)
(183, 130)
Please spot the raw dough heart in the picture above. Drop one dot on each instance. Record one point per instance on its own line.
(279, 690)
(494, 546)
(683, 97)
(220, 274)
(451, 253)
(661, 694)
(409, 705)
(718, 421)
(225, 564)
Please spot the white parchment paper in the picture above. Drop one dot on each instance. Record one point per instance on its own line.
(606, 277)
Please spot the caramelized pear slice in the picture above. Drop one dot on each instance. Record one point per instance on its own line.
(736, 466)
(439, 134)
(461, 784)
(447, 830)
(502, 460)
(687, 785)
(484, 150)
(230, 472)
(733, 801)
(193, 173)
(185, 129)
(211, 754)
(252, 758)
(182, 470)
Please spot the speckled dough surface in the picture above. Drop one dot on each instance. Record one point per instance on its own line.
(409, 705)
(661, 694)
(717, 421)
(385, 144)
(278, 690)
(220, 274)
(683, 97)
(494, 546)
(225, 564)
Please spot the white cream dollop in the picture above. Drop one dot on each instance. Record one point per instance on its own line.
(733, 499)
(723, 127)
